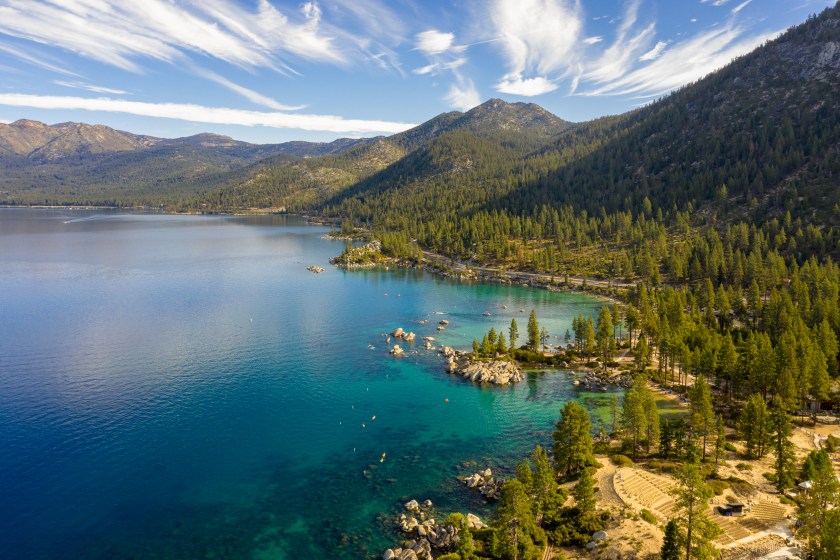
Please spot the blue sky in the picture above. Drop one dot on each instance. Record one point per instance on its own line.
(271, 70)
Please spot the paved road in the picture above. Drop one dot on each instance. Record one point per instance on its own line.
(516, 276)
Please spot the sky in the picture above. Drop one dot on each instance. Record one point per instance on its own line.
(269, 71)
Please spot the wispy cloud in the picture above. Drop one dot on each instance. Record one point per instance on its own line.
(89, 87)
(249, 94)
(630, 44)
(684, 62)
(538, 39)
(463, 95)
(740, 6)
(654, 53)
(444, 55)
(202, 114)
(593, 40)
(33, 58)
(123, 34)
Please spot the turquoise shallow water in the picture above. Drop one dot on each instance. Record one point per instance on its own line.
(181, 387)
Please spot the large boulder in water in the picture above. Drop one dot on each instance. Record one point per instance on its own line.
(497, 373)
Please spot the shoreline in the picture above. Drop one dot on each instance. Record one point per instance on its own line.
(432, 262)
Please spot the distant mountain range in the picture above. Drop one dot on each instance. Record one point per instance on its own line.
(763, 134)
(83, 163)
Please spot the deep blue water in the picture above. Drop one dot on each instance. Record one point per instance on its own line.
(182, 387)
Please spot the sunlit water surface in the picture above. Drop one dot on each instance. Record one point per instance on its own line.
(182, 387)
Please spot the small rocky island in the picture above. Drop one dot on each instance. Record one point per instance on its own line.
(315, 268)
(495, 372)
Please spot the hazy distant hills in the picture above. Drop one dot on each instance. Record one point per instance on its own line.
(82, 163)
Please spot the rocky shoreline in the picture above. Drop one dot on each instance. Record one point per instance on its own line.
(368, 255)
(423, 534)
(495, 372)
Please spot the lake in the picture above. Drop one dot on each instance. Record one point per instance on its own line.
(182, 387)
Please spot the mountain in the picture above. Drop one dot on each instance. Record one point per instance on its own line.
(94, 164)
(758, 139)
(40, 142)
(491, 117)
(504, 131)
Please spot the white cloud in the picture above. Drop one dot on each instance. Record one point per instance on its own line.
(89, 87)
(740, 6)
(593, 40)
(423, 70)
(538, 39)
(628, 47)
(463, 95)
(529, 87)
(444, 55)
(436, 67)
(684, 62)
(122, 34)
(35, 60)
(654, 53)
(202, 114)
(434, 42)
(249, 94)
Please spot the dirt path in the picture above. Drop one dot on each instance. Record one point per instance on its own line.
(606, 487)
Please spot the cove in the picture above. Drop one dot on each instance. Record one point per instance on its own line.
(182, 387)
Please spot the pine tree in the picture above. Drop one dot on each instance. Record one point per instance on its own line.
(641, 355)
(573, 449)
(533, 332)
(692, 500)
(543, 481)
(501, 344)
(702, 414)
(634, 414)
(785, 463)
(670, 544)
(753, 426)
(815, 509)
(584, 493)
(589, 336)
(513, 332)
(720, 440)
(604, 337)
(514, 522)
